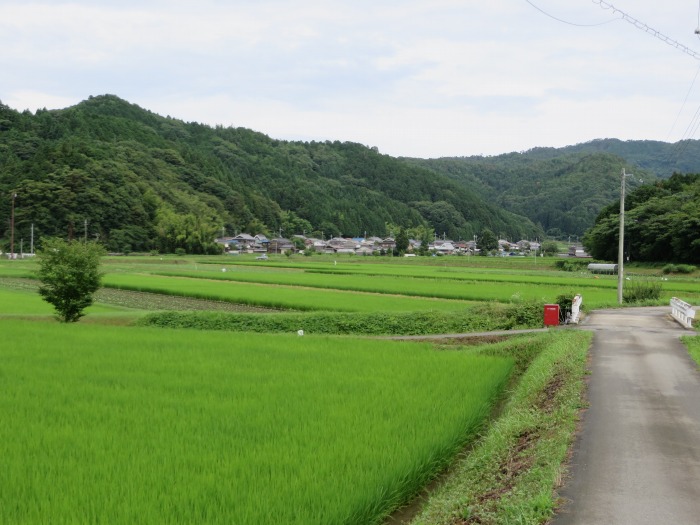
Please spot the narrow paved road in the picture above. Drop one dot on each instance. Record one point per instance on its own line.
(637, 458)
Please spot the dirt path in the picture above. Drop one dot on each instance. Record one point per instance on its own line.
(637, 459)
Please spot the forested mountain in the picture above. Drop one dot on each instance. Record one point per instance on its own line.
(563, 194)
(563, 189)
(139, 181)
(662, 223)
(660, 158)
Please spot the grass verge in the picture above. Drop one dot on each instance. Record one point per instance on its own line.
(692, 342)
(512, 473)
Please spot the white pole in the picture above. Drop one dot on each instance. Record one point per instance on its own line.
(621, 241)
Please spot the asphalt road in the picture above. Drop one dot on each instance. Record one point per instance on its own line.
(637, 457)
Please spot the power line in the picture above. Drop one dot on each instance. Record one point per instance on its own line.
(566, 21)
(650, 30)
(687, 95)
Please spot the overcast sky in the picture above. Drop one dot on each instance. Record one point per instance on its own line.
(421, 78)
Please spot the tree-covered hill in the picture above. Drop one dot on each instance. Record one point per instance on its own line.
(660, 158)
(562, 194)
(563, 189)
(662, 223)
(140, 181)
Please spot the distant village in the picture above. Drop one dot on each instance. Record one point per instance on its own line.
(260, 244)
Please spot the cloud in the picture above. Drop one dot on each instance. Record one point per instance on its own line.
(413, 77)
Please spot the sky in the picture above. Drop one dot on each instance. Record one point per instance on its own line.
(415, 78)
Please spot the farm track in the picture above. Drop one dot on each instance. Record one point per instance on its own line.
(637, 458)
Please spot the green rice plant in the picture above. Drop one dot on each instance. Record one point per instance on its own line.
(463, 288)
(278, 296)
(139, 426)
(29, 303)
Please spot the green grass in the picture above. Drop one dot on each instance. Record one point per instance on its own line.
(511, 476)
(127, 425)
(693, 345)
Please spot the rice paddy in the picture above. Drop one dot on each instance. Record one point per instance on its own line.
(127, 425)
(107, 424)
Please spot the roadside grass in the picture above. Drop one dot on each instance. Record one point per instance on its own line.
(693, 345)
(131, 425)
(512, 474)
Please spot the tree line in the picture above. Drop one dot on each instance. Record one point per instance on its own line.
(662, 223)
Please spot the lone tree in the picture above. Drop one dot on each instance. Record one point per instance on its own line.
(488, 241)
(70, 275)
(402, 242)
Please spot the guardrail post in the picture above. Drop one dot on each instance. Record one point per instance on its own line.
(682, 312)
(576, 308)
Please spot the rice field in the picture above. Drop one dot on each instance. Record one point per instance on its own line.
(279, 296)
(128, 425)
(25, 303)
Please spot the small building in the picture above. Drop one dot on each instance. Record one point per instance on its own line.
(578, 251)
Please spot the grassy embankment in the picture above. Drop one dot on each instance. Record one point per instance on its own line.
(512, 474)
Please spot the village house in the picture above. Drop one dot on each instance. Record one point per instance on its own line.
(444, 247)
(281, 245)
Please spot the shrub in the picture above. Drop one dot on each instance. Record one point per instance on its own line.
(565, 302)
(486, 317)
(525, 314)
(571, 265)
(678, 268)
(638, 291)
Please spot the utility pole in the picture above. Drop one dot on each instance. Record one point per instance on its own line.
(12, 227)
(621, 242)
(85, 235)
(32, 240)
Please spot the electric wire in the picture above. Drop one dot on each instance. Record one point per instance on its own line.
(694, 124)
(685, 101)
(650, 30)
(566, 21)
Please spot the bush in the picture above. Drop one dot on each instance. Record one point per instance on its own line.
(571, 265)
(526, 314)
(638, 291)
(678, 268)
(565, 302)
(486, 317)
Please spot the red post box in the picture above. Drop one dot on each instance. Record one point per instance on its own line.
(551, 315)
